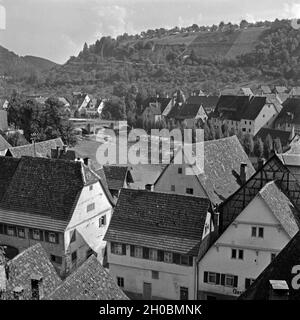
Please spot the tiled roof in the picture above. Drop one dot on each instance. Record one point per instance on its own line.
(116, 176)
(284, 136)
(290, 111)
(282, 208)
(42, 149)
(280, 89)
(89, 282)
(46, 187)
(4, 144)
(279, 269)
(32, 261)
(174, 111)
(266, 89)
(169, 222)
(8, 167)
(102, 179)
(188, 111)
(208, 102)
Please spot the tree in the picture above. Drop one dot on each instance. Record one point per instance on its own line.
(207, 134)
(258, 148)
(248, 143)
(114, 109)
(219, 133)
(16, 139)
(268, 146)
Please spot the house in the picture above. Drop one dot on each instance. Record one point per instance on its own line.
(280, 279)
(245, 113)
(153, 241)
(80, 102)
(4, 146)
(58, 203)
(191, 114)
(89, 282)
(289, 117)
(28, 276)
(257, 234)
(63, 153)
(280, 90)
(93, 108)
(117, 177)
(285, 137)
(38, 149)
(226, 168)
(292, 162)
(207, 102)
(156, 109)
(263, 90)
(245, 92)
(295, 92)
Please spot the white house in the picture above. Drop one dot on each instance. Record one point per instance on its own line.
(153, 241)
(248, 244)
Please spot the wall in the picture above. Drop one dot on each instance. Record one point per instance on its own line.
(257, 251)
(3, 120)
(267, 115)
(137, 271)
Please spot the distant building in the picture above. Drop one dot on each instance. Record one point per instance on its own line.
(209, 103)
(4, 146)
(60, 204)
(154, 240)
(3, 120)
(190, 114)
(156, 109)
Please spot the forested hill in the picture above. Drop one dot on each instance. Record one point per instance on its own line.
(211, 57)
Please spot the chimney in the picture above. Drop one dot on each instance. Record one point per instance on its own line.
(18, 293)
(278, 290)
(243, 170)
(149, 187)
(37, 291)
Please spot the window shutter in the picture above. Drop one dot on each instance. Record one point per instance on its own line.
(223, 279)
(57, 238)
(1, 228)
(132, 251)
(217, 278)
(191, 261)
(145, 253)
(160, 255)
(176, 258)
(30, 233)
(235, 283)
(112, 245)
(41, 235)
(205, 279)
(47, 236)
(124, 249)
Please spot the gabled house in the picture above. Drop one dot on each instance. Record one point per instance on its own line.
(280, 279)
(117, 177)
(153, 242)
(263, 91)
(28, 276)
(295, 92)
(207, 102)
(191, 114)
(289, 117)
(80, 102)
(156, 109)
(38, 149)
(280, 89)
(226, 168)
(245, 92)
(89, 282)
(257, 234)
(58, 203)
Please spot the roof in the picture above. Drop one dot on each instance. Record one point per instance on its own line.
(208, 102)
(295, 91)
(290, 112)
(174, 111)
(89, 282)
(222, 161)
(102, 179)
(116, 176)
(4, 144)
(280, 89)
(41, 149)
(279, 269)
(274, 99)
(283, 136)
(253, 109)
(42, 187)
(162, 221)
(246, 91)
(266, 89)
(8, 167)
(32, 261)
(162, 103)
(282, 207)
(188, 111)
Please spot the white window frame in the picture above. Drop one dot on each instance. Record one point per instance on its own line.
(52, 237)
(153, 254)
(90, 207)
(117, 248)
(168, 257)
(34, 234)
(229, 277)
(138, 252)
(212, 274)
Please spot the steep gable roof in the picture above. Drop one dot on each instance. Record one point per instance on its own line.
(32, 261)
(208, 102)
(279, 269)
(4, 144)
(116, 176)
(41, 149)
(45, 187)
(290, 111)
(8, 167)
(253, 109)
(169, 222)
(188, 111)
(89, 282)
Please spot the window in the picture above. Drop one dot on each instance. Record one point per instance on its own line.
(245, 122)
(253, 232)
(53, 237)
(184, 293)
(153, 254)
(90, 207)
(233, 253)
(241, 254)
(21, 232)
(118, 248)
(229, 280)
(155, 275)
(260, 232)
(212, 278)
(184, 260)
(102, 221)
(179, 170)
(244, 129)
(248, 282)
(138, 252)
(56, 259)
(74, 256)
(172, 188)
(257, 232)
(1, 228)
(273, 256)
(36, 235)
(89, 253)
(237, 254)
(11, 231)
(91, 187)
(168, 257)
(73, 235)
(189, 190)
(120, 282)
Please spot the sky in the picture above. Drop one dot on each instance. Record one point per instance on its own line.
(57, 29)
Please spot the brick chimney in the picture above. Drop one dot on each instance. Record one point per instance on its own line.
(37, 290)
(243, 171)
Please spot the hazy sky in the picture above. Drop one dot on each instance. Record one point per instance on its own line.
(57, 29)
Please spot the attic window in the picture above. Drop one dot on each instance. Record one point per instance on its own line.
(91, 187)
(179, 170)
(90, 207)
(102, 221)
